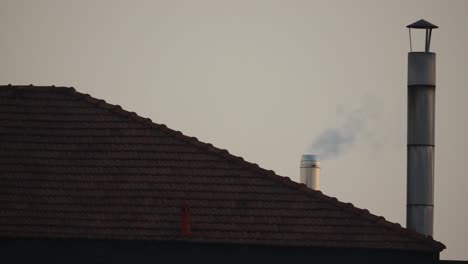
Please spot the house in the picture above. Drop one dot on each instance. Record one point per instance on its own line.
(84, 181)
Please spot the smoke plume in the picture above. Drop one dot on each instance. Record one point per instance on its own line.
(332, 142)
(335, 141)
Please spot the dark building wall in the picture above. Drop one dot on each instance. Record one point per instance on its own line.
(102, 251)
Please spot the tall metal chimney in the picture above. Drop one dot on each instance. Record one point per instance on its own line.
(310, 171)
(420, 152)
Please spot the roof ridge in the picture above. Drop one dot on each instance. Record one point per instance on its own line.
(36, 87)
(223, 153)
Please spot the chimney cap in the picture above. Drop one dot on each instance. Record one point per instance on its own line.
(422, 24)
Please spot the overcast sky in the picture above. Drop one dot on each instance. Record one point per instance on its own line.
(266, 80)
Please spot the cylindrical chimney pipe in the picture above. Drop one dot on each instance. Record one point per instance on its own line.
(420, 150)
(310, 171)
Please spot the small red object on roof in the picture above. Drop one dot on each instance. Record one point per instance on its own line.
(186, 231)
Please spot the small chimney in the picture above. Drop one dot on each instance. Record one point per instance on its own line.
(310, 171)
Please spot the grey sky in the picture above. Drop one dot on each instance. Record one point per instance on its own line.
(264, 79)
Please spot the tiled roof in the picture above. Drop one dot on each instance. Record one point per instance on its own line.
(72, 166)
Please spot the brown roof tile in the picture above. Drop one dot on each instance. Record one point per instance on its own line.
(72, 166)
